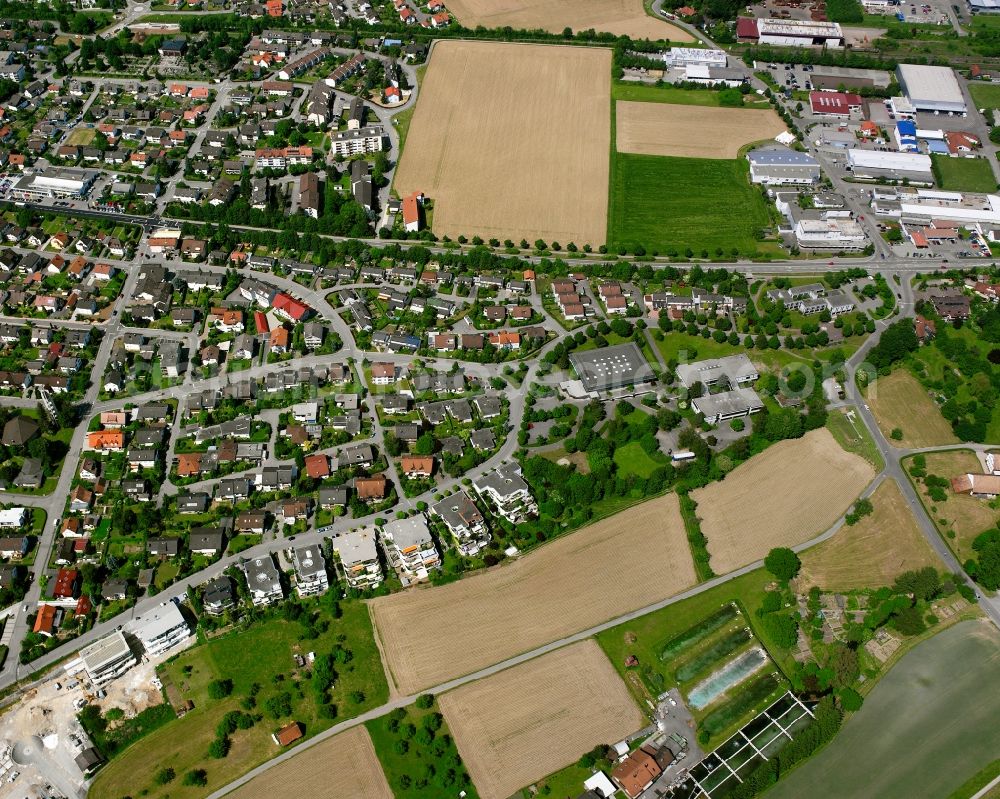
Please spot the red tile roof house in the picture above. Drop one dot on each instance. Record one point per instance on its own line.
(67, 584)
(371, 487)
(290, 308)
(46, 621)
(317, 466)
(417, 465)
(288, 734)
(383, 374)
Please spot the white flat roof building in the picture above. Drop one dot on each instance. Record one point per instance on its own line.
(359, 557)
(13, 517)
(728, 405)
(107, 658)
(54, 182)
(800, 33)
(967, 209)
(875, 164)
(739, 369)
(410, 547)
(829, 234)
(931, 88)
(682, 56)
(161, 629)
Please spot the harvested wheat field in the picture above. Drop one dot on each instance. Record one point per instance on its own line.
(691, 131)
(511, 141)
(872, 552)
(342, 767)
(899, 401)
(433, 634)
(620, 17)
(528, 721)
(789, 493)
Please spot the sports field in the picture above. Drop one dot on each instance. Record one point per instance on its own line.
(964, 174)
(680, 203)
(960, 517)
(679, 130)
(528, 721)
(342, 767)
(926, 727)
(512, 141)
(873, 552)
(627, 561)
(899, 401)
(620, 17)
(791, 492)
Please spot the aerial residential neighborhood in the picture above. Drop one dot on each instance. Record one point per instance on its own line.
(425, 399)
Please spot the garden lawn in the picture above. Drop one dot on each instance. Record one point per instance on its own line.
(262, 655)
(964, 174)
(645, 93)
(986, 95)
(662, 203)
(633, 459)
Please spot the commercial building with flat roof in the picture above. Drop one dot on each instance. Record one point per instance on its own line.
(881, 164)
(775, 166)
(728, 405)
(610, 368)
(932, 89)
(55, 182)
(161, 629)
(737, 369)
(107, 658)
(799, 33)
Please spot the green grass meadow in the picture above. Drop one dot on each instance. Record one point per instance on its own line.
(667, 203)
(964, 174)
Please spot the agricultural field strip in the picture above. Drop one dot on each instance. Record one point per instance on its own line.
(402, 701)
(782, 497)
(520, 104)
(620, 17)
(342, 767)
(679, 130)
(615, 565)
(532, 720)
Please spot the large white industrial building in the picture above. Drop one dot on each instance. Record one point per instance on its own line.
(933, 89)
(965, 209)
(799, 33)
(775, 166)
(880, 164)
(685, 56)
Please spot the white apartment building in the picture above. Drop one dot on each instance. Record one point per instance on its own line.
(263, 581)
(161, 629)
(310, 571)
(410, 547)
(357, 142)
(507, 491)
(106, 659)
(359, 557)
